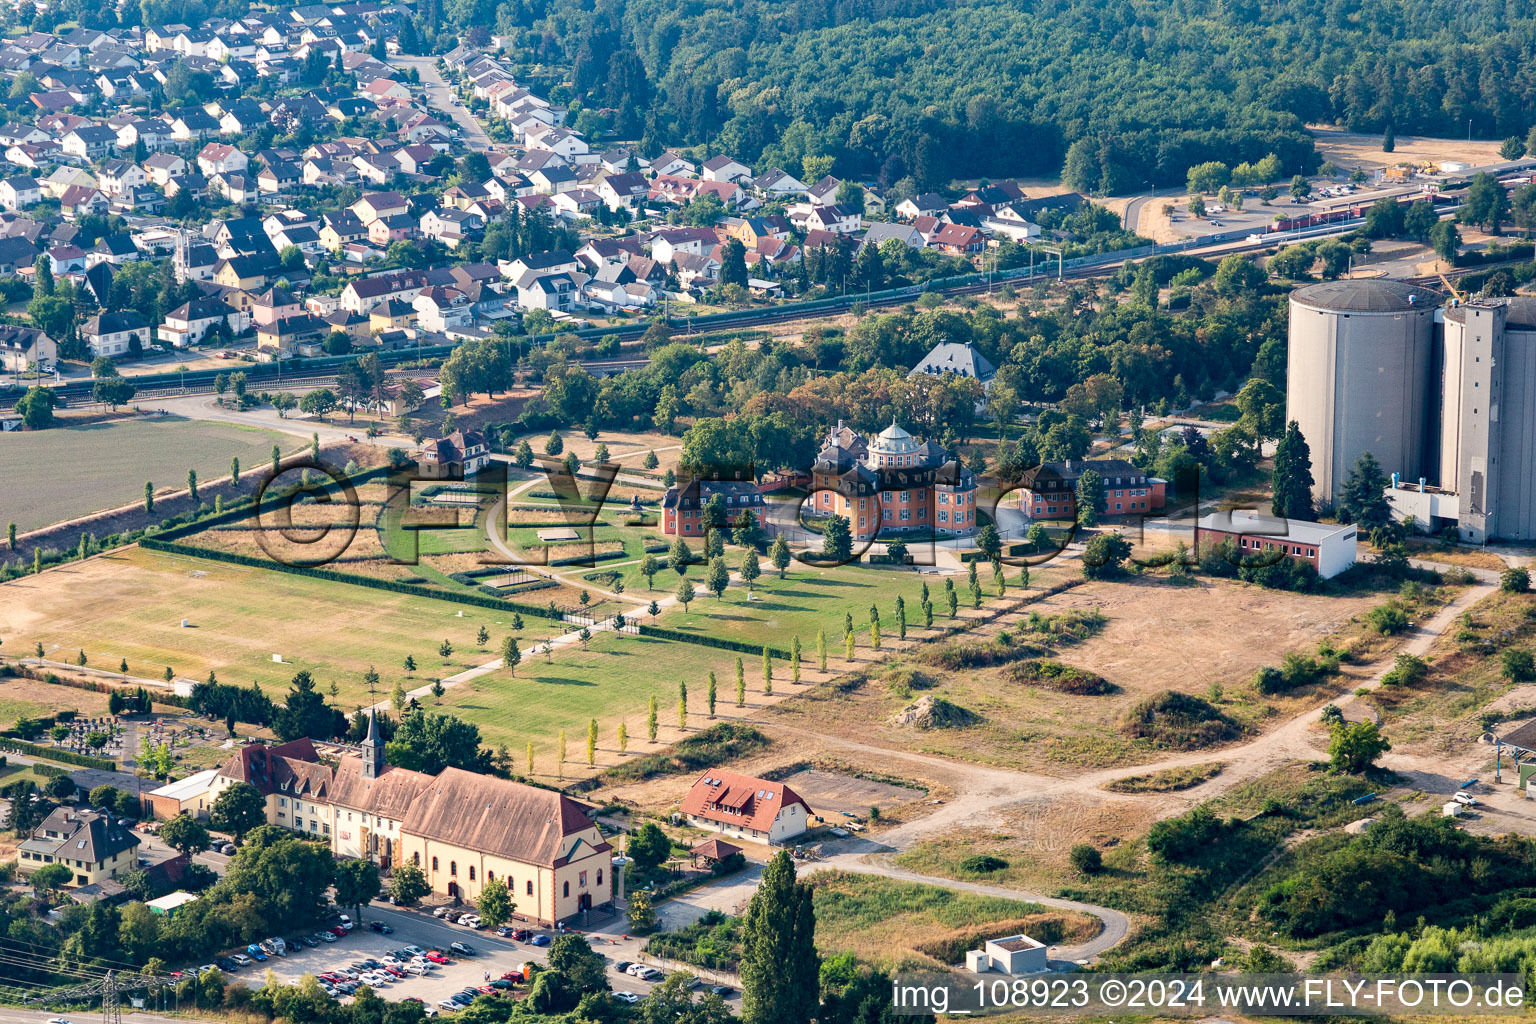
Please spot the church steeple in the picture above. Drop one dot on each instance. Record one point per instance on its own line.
(373, 748)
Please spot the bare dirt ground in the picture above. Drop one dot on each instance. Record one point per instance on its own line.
(1350, 150)
(831, 793)
(1157, 637)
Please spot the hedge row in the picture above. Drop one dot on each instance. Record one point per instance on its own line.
(36, 750)
(393, 586)
(520, 588)
(244, 507)
(1017, 550)
(662, 633)
(584, 559)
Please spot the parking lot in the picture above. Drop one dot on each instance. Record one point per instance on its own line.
(495, 956)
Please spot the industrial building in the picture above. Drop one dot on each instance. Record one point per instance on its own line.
(1442, 394)
(1359, 376)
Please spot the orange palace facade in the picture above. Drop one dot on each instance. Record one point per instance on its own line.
(891, 484)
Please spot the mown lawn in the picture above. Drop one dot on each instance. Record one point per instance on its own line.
(612, 680)
(52, 475)
(808, 599)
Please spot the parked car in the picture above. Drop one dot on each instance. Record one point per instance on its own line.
(309, 940)
(437, 958)
(539, 940)
(623, 965)
(416, 967)
(346, 922)
(415, 950)
(338, 932)
(505, 931)
(205, 969)
(650, 974)
(723, 991)
(242, 960)
(440, 912)
(228, 848)
(449, 1005)
(634, 970)
(626, 997)
(1465, 799)
(227, 964)
(462, 948)
(486, 989)
(327, 937)
(256, 952)
(521, 934)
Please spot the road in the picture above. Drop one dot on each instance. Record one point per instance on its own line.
(441, 97)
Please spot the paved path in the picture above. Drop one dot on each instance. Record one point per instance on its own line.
(440, 98)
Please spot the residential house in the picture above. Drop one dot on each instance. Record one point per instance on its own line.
(929, 204)
(751, 808)
(438, 309)
(117, 177)
(19, 192)
(723, 168)
(162, 167)
(116, 334)
(190, 322)
(221, 158)
(90, 843)
(1049, 490)
(25, 348)
(458, 456)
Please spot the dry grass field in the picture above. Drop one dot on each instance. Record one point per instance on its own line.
(130, 603)
(1156, 637)
(1350, 150)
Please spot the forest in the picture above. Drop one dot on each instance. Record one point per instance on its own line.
(1123, 93)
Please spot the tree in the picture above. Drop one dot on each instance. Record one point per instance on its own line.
(718, 578)
(837, 540)
(779, 556)
(642, 915)
(1300, 188)
(1362, 497)
(408, 884)
(36, 408)
(50, 877)
(510, 655)
(733, 263)
(61, 787)
(357, 883)
(621, 735)
(768, 669)
(581, 969)
(679, 556)
(238, 810)
(1104, 554)
(649, 847)
(1486, 203)
(319, 402)
(1445, 240)
(591, 741)
(685, 593)
(1292, 477)
(649, 567)
(1090, 498)
(650, 720)
(555, 445)
(779, 964)
(1196, 206)
(184, 833)
(494, 904)
(682, 705)
(1355, 746)
(1385, 218)
(1388, 140)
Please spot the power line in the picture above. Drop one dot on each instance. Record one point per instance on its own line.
(37, 946)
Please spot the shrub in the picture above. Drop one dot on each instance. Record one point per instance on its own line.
(982, 864)
(1086, 858)
(1408, 670)
(1515, 581)
(1518, 665)
(1176, 839)
(1388, 619)
(1178, 721)
(1054, 675)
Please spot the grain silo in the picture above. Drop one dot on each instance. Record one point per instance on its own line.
(1359, 376)
(1488, 417)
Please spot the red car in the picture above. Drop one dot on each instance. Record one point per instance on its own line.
(488, 990)
(339, 932)
(437, 958)
(512, 976)
(394, 971)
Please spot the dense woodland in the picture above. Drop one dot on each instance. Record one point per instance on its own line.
(932, 91)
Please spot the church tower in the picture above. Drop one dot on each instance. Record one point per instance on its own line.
(373, 748)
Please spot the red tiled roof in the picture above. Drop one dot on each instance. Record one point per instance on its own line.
(739, 800)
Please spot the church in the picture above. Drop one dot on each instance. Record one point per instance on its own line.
(460, 828)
